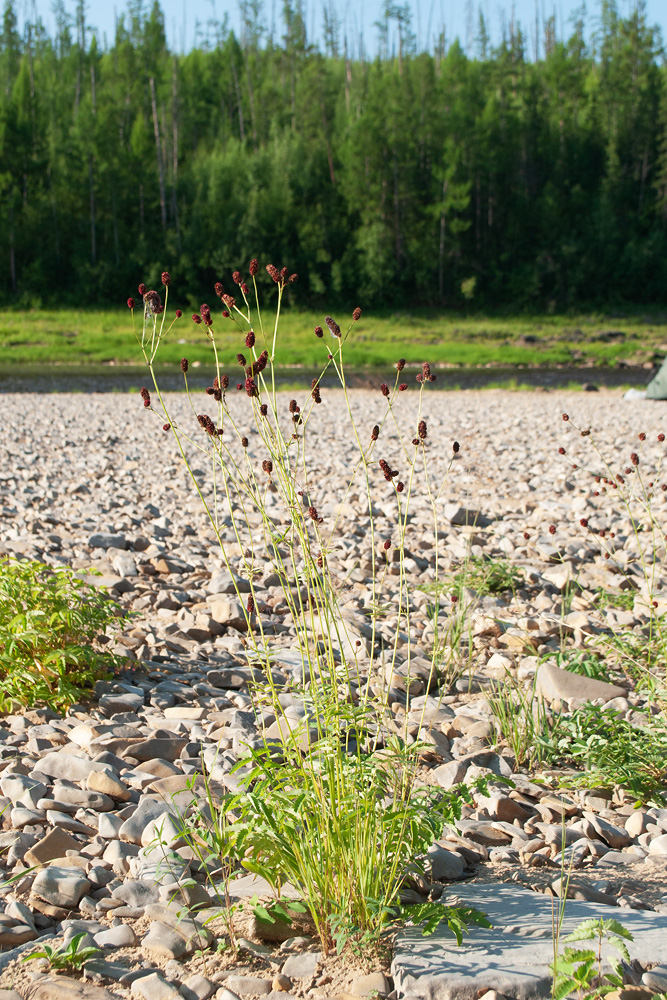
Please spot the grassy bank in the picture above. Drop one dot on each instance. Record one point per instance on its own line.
(104, 336)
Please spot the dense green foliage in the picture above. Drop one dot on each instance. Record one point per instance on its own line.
(49, 624)
(412, 178)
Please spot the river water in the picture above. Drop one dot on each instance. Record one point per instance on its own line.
(117, 378)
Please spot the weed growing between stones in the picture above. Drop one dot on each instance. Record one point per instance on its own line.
(618, 746)
(579, 970)
(328, 797)
(611, 750)
(50, 624)
(635, 556)
(70, 956)
(523, 719)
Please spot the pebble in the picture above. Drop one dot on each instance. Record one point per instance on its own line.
(90, 795)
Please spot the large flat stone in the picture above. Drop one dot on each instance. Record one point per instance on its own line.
(513, 956)
(558, 685)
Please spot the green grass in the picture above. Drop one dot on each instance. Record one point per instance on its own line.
(377, 340)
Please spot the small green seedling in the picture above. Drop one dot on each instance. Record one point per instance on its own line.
(579, 970)
(69, 956)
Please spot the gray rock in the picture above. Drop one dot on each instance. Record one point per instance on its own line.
(443, 864)
(61, 886)
(109, 826)
(147, 810)
(303, 965)
(137, 893)
(223, 583)
(67, 765)
(122, 701)
(229, 611)
(241, 985)
(463, 515)
(163, 941)
(157, 748)
(658, 845)
(196, 988)
(557, 685)
(374, 982)
(513, 956)
(64, 988)
(107, 541)
(153, 987)
(450, 774)
(616, 836)
(121, 936)
(23, 790)
(656, 978)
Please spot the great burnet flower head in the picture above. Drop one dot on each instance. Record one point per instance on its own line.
(319, 332)
(166, 279)
(253, 267)
(356, 314)
(153, 303)
(130, 303)
(205, 314)
(260, 364)
(185, 364)
(315, 391)
(250, 339)
(218, 289)
(207, 424)
(334, 328)
(386, 470)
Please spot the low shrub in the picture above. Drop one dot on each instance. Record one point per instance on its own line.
(50, 622)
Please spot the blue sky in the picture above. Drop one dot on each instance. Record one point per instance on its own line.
(185, 18)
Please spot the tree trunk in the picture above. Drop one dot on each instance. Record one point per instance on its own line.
(174, 152)
(332, 174)
(397, 212)
(12, 254)
(158, 151)
(251, 98)
(56, 231)
(441, 246)
(93, 242)
(238, 99)
(114, 219)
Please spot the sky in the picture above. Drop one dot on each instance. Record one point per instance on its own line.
(186, 20)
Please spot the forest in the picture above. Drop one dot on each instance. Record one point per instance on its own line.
(478, 176)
